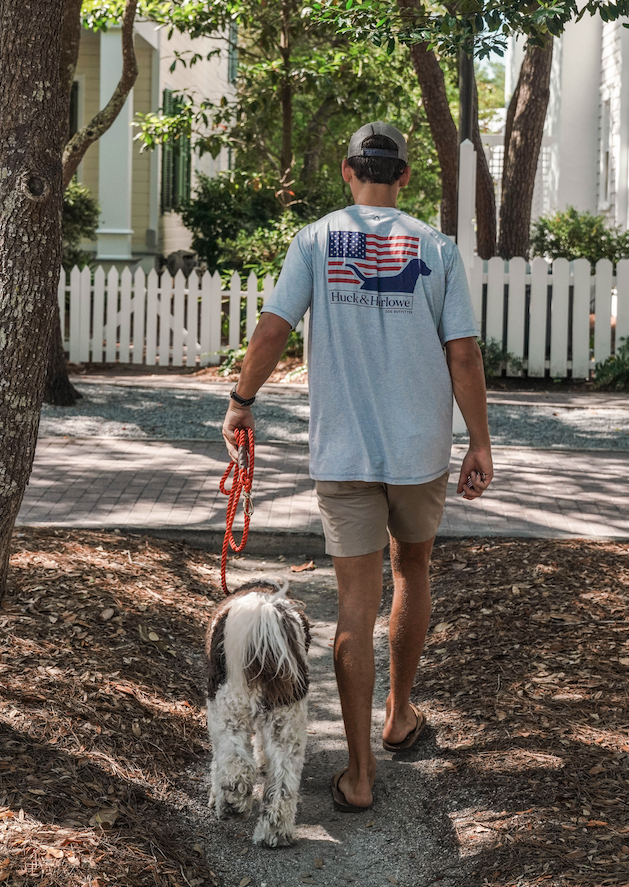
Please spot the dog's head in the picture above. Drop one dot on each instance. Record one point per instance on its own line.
(259, 638)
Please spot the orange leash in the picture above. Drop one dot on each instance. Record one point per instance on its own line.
(241, 483)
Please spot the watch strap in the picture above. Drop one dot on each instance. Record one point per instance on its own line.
(242, 401)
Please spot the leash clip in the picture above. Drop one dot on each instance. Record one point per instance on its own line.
(248, 503)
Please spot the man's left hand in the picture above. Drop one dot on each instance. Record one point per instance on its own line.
(478, 467)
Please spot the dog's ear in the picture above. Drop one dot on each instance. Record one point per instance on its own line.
(306, 626)
(215, 654)
(284, 688)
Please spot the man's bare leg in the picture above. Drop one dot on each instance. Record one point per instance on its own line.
(410, 615)
(360, 589)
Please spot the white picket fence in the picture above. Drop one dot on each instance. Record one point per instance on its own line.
(557, 318)
(540, 313)
(145, 319)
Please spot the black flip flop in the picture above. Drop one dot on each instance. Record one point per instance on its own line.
(410, 740)
(340, 801)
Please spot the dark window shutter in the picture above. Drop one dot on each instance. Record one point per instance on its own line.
(74, 108)
(182, 162)
(232, 54)
(167, 158)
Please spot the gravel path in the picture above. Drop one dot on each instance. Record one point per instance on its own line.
(114, 411)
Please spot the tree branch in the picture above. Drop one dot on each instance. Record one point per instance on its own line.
(70, 41)
(100, 123)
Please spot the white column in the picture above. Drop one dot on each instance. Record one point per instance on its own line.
(115, 158)
(466, 204)
(466, 235)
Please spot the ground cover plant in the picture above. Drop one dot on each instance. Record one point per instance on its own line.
(102, 724)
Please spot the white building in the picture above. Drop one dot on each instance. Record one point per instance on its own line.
(584, 160)
(138, 190)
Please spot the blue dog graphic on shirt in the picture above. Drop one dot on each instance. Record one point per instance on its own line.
(402, 282)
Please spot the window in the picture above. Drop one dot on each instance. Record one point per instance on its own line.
(232, 53)
(176, 162)
(74, 108)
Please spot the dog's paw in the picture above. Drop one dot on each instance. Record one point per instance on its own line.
(267, 835)
(228, 812)
(234, 801)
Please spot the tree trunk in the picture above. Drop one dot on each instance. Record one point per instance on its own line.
(523, 139)
(30, 235)
(100, 123)
(442, 126)
(286, 104)
(485, 193)
(59, 390)
(314, 136)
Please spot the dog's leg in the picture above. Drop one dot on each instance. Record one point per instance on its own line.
(230, 725)
(284, 735)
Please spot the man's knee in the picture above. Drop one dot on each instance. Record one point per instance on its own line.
(410, 556)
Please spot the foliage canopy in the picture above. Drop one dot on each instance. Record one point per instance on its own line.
(578, 235)
(79, 222)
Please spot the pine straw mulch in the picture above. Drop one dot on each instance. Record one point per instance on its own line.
(101, 709)
(525, 676)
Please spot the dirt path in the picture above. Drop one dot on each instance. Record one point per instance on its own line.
(521, 777)
(406, 839)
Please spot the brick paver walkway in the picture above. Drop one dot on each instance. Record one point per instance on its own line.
(99, 482)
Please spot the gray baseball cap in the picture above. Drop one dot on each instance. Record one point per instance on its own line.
(355, 148)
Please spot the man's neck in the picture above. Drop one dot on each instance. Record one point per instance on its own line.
(371, 194)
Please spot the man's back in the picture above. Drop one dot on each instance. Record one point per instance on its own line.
(385, 292)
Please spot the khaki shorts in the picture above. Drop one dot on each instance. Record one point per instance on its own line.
(358, 517)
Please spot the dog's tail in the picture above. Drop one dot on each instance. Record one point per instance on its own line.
(265, 646)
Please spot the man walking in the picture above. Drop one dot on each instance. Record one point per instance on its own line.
(392, 336)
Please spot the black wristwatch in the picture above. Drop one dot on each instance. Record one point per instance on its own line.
(242, 401)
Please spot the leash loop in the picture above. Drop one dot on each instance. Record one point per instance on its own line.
(242, 482)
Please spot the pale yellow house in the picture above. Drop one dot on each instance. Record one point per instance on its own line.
(137, 190)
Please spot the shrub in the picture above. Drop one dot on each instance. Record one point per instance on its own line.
(262, 251)
(80, 221)
(224, 208)
(578, 235)
(613, 373)
(494, 356)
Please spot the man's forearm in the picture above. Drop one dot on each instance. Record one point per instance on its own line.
(264, 351)
(468, 385)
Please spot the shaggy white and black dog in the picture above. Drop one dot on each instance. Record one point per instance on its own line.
(256, 650)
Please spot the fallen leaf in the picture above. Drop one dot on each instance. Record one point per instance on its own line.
(594, 823)
(318, 863)
(136, 730)
(624, 660)
(576, 854)
(107, 614)
(443, 626)
(153, 636)
(53, 851)
(244, 882)
(105, 817)
(144, 633)
(303, 568)
(594, 771)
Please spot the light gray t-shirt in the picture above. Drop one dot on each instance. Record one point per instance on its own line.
(386, 292)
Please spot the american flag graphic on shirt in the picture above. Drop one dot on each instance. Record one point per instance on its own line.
(355, 257)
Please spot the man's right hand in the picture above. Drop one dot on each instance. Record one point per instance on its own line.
(236, 417)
